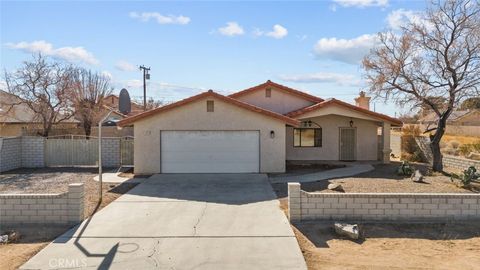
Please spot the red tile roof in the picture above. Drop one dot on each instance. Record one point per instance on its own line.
(280, 87)
(209, 93)
(332, 101)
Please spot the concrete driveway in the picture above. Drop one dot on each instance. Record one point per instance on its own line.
(191, 221)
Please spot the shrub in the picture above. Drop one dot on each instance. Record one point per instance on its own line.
(443, 145)
(411, 130)
(467, 176)
(405, 169)
(451, 151)
(454, 144)
(466, 149)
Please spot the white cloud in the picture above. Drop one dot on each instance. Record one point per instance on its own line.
(231, 29)
(345, 50)
(362, 3)
(71, 54)
(323, 77)
(401, 17)
(278, 32)
(161, 19)
(125, 66)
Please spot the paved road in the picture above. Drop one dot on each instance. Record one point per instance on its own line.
(201, 221)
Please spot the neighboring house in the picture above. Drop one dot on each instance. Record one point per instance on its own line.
(110, 103)
(457, 118)
(18, 119)
(256, 130)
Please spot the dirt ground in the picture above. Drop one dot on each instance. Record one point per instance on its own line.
(388, 246)
(392, 246)
(49, 180)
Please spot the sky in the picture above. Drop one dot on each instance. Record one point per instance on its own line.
(193, 46)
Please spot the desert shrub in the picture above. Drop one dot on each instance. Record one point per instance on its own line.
(443, 145)
(410, 150)
(454, 144)
(467, 176)
(451, 151)
(405, 169)
(411, 130)
(466, 149)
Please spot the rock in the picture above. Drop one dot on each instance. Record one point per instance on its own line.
(349, 230)
(417, 177)
(335, 186)
(4, 239)
(13, 236)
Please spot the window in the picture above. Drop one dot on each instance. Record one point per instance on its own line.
(210, 105)
(307, 137)
(268, 92)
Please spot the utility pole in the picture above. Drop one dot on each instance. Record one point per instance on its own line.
(146, 76)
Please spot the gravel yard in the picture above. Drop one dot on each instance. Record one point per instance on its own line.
(50, 180)
(384, 180)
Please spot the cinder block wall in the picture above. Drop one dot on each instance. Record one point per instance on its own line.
(460, 163)
(65, 208)
(10, 153)
(33, 152)
(381, 206)
(111, 156)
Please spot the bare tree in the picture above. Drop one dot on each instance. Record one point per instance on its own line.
(43, 86)
(87, 94)
(438, 57)
(152, 103)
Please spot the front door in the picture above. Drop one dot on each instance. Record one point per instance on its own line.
(348, 144)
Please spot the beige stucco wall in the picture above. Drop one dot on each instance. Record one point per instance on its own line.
(367, 139)
(194, 116)
(280, 101)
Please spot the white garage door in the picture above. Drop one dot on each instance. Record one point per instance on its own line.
(210, 152)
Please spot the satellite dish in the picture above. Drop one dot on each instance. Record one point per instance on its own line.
(124, 103)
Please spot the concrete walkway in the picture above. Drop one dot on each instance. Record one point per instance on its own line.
(114, 177)
(230, 221)
(324, 175)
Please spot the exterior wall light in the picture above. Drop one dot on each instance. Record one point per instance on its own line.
(351, 123)
(272, 134)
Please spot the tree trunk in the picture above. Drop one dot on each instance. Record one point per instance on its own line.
(437, 165)
(87, 127)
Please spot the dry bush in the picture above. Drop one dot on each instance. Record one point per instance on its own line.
(411, 130)
(466, 149)
(451, 151)
(454, 144)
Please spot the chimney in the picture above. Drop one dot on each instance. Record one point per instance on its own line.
(363, 101)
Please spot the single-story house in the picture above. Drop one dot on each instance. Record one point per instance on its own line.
(17, 119)
(256, 130)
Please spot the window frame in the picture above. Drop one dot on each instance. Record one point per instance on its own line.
(315, 130)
